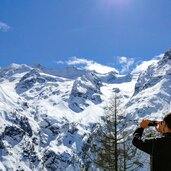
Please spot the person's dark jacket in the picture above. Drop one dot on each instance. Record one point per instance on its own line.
(158, 148)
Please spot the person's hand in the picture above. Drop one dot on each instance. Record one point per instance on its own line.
(144, 123)
(160, 127)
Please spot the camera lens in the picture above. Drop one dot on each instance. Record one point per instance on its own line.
(152, 123)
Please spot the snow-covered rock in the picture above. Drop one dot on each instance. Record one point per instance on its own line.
(85, 89)
(152, 93)
(68, 72)
(10, 71)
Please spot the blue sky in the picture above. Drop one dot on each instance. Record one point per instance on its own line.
(106, 32)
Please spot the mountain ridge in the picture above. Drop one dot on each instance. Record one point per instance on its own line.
(46, 115)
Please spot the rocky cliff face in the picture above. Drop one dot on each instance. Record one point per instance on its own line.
(85, 88)
(46, 116)
(152, 91)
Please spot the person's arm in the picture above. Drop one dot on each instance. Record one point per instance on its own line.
(146, 145)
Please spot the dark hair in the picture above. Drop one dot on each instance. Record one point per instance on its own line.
(167, 119)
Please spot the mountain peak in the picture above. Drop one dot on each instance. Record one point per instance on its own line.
(37, 66)
(14, 69)
(167, 55)
(16, 66)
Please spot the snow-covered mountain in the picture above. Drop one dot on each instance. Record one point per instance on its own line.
(46, 115)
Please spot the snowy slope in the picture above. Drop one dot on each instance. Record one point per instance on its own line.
(46, 115)
(152, 91)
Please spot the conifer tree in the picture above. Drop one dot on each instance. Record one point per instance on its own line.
(108, 148)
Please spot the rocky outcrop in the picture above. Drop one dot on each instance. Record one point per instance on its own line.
(29, 80)
(85, 88)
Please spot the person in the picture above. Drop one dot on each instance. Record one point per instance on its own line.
(158, 148)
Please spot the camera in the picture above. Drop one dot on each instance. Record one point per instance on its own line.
(152, 123)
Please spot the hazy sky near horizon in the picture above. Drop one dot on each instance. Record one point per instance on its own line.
(55, 33)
